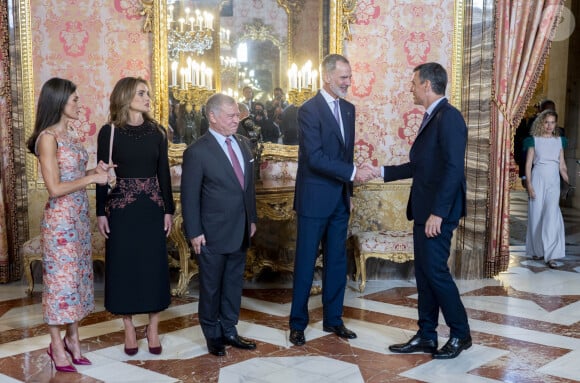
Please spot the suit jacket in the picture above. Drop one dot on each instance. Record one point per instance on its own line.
(436, 164)
(212, 201)
(325, 159)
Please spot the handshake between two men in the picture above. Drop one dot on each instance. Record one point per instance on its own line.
(366, 172)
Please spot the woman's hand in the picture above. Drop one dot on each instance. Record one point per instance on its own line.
(531, 191)
(103, 224)
(100, 178)
(167, 224)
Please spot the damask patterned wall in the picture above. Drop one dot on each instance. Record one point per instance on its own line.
(92, 43)
(96, 44)
(389, 39)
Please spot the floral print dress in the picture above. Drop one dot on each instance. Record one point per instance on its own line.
(68, 294)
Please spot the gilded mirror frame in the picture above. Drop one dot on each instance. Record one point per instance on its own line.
(341, 16)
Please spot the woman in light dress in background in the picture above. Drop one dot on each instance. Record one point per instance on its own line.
(544, 166)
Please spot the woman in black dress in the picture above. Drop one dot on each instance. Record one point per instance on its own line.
(137, 215)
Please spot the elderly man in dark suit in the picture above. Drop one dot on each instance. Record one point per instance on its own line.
(436, 204)
(219, 213)
(322, 197)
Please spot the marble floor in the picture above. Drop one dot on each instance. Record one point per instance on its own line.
(525, 326)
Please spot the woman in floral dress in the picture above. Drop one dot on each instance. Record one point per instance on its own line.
(67, 295)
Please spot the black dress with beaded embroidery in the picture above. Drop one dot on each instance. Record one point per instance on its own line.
(136, 268)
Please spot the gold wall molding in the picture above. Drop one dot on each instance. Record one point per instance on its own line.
(457, 54)
(27, 86)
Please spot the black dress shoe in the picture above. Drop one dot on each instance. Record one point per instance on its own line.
(297, 337)
(217, 350)
(452, 348)
(239, 342)
(341, 331)
(416, 344)
(216, 347)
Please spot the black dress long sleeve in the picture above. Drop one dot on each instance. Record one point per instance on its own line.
(136, 271)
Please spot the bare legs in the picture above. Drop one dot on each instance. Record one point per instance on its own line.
(69, 344)
(153, 330)
(152, 334)
(57, 347)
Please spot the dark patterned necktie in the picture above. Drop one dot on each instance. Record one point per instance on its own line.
(235, 162)
(425, 117)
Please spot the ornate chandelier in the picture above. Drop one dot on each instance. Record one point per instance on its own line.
(190, 33)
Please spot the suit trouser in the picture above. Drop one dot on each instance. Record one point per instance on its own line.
(331, 232)
(435, 285)
(220, 292)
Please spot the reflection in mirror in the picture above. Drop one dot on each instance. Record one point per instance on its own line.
(301, 30)
(191, 50)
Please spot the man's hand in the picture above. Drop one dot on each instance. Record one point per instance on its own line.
(252, 229)
(364, 173)
(197, 243)
(433, 226)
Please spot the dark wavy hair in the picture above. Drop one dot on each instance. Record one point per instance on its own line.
(51, 103)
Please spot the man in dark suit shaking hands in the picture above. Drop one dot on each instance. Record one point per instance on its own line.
(436, 204)
(219, 214)
(322, 197)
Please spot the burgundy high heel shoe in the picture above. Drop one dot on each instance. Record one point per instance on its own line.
(82, 361)
(67, 368)
(153, 350)
(131, 350)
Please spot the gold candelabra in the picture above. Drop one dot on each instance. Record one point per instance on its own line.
(298, 96)
(191, 96)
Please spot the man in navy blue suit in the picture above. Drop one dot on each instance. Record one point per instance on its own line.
(322, 197)
(436, 203)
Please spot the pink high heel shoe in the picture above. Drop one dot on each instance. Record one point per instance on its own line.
(67, 368)
(82, 361)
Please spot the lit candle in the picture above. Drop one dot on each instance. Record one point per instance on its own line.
(188, 72)
(202, 84)
(292, 76)
(181, 21)
(199, 19)
(314, 76)
(210, 21)
(192, 23)
(182, 78)
(170, 13)
(196, 69)
(174, 73)
(209, 73)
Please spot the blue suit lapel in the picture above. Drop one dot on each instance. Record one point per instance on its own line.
(431, 116)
